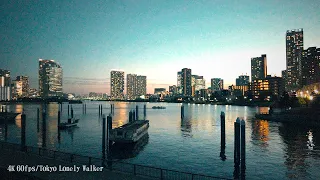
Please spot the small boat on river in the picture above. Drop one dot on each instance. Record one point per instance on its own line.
(72, 122)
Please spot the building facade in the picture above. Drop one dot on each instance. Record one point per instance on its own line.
(267, 88)
(179, 83)
(33, 93)
(21, 86)
(276, 86)
(50, 78)
(310, 66)
(259, 67)
(242, 80)
(284, 79)
(216, 84)
(5, 85)
(197, 83)
(141, 86)
(186, 82)
(294, 48)
(5, 79)
(117, 85)
(131, 86)
(136, 86)
(173, 89)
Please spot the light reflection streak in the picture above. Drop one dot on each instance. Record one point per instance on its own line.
(310, 143)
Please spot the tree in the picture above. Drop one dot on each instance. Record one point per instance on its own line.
(285, 100)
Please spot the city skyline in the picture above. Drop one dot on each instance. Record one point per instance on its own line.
(204, 36)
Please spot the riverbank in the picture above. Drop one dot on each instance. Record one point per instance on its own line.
(251, 104)
(40, 101)
(301, 116)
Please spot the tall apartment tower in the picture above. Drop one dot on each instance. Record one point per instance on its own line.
(186, 82)
(131, 86)
(21, 87)
(284, 79)
(179, 83)
(117, 85)
(141, 86)
(25, 85)
(136, 86)
(5, 85)
(197, 83)
(310, 66)
(294, 48)
(50, 78)
(259, 67)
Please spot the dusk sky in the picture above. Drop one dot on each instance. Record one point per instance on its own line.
(156, 38)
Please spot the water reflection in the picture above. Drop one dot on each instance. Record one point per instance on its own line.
(4, 132)
(260, 131)
(186, 122)
(122, 115)
(296, 149)
(310, 143)
(263, 110)
(287, 151)
(126, 151)
(18, 109)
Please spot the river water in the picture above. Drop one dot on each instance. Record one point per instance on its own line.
(273, 150)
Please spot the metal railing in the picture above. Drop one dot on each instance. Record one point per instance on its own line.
(135, 169)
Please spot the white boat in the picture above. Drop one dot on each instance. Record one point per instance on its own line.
(72, 122)
(130, 132)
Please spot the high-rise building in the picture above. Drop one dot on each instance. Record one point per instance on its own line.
(179, 82)
(136, 86)
(50, 78)
(193, 84)
(141, 86)
(117, 85)
(198, 82)
(310, 66)
(259, 67)
(5, 85)
(173, 89)
(242, 80)
(216, 84)
(284, 79)
(5, 79)
(131, 86)
(186, 82)
(276, 85)
(267, 88)
(294, 48)
(24, 81)
(33, 92)
(16, 89)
